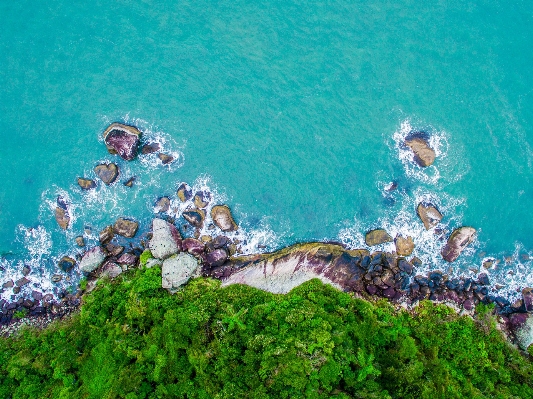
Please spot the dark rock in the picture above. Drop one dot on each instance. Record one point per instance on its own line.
(527, 298)
(122, 140)
(22, 282)
(429, 215)
(371, 289)
(415, 288)
(389, 293)
(376, 237)
(16, 290)
(56, 278)
(195, 217)
(107, 172)
(468, 304)
(424, 155)
(165, 159)
(125, 227)
(66, 263)
(184, 192)
(222, 217)
(458, 241)
(220, 242)
(467, 285)
(62, 202)
(38, 311)
(37, 295)
(127, 259)
(8, 284)
(193, 246)
(130, 181)
(404, 246)
(452, 296)
(106, 235)
(405, 266)
(202, 199)
(114, 250)
(217, 257)
(162, 205)
(150, 148)
(86, 184)
(62, 217)
(436, 276)
(365, 262)
(80, 241)
(424, 281)
(483, 279)
(27, 303)
(26, 270)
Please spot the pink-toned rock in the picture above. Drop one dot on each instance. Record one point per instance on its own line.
(122, 140)
(458, 241)
(217, 257)
(193, 246)
(127, 259)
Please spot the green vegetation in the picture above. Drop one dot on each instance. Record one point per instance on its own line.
(134, 340)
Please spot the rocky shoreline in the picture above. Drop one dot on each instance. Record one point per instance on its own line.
(377, 274)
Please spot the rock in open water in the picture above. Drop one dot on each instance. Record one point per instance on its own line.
(122, 140)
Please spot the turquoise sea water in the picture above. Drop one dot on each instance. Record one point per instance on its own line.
(291, 112)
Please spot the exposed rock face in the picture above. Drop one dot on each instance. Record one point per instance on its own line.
(404, 246)
(130, 181)
(184, 192)
(458, 241)
(201, 199)
(429, 215)
(166, 239)
(127, 259)
(125, 227)
(376, 237)
(527, 299)
(114, 250)
(106, 235)
(86, 184)
(217, 257)
(92, 259)
(122, 140)
(107, 172)
(66, 263)
(62, 217)
(165, 159)
(150, 148)
(177, 270)
(195, 217)
(162, 204)
(424, 154)
(222, 218)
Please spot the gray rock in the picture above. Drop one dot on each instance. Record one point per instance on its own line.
(125, 227)
(152, 262)
(166, 239)
(86, 184)
(521, 324)
(376, 237)
(108, 173)
(92, 259)
(122, 140)
(114, 250)
(222, 218)
(177, 270)
(458, 241)
(429, 215)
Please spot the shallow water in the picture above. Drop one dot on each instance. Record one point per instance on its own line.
(292, 113)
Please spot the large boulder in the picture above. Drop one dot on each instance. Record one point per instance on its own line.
(521, 324)
(92, 259)
(458, 241)
(376, 237)
(62, 217)
(122, 140)
(166, 239)
(150, 148)
(193, 246)
(429, 215)
(177, 270)
(404, 245)
(125, 227)
(107, 172)
(222, 218)
(424, 155)
(217, 257)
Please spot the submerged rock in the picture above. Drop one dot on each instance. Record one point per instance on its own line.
(166, 239)
(404, 246)
(107, 172)
(125, 227)
(429, 215)
(150, 148)
(424, 154)
(222, 218)
(62, 217)
(376, 237)
(458, 241)
(184, 192)
(92, 259)
(66, 263)
(86, 184)
(177, 270)
(122, 140)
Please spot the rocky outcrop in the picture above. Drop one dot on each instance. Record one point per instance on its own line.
(165, 159)
(216, 257)
(376, 237)
(125, 227)
(92, 259)
(150, 148)
(202, 199)
(177, 270)
(404, 245)
(165, 241)
(130, 181)
(184, 192)
(429, 215)
(222, 218)
(458, 241)
(86, 184)
(62, 218)
(108, 173)
(424, 155)
(193, 246)
(122, 140)
(128, 260)
(521, 325)
(111, 270)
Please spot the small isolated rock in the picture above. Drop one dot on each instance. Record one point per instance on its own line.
(376, 237)
(130, 181)
(92, 259)
(184, 192)
(66, 263)
(458, 241)
(193, 246)
(404, 246)
(424, 154)
(86, 184)
(162, 205)
(429, 215)
(177, 270)
(107, 172)
(125, 227)
(8, 284)
(26, 270)
(80, 241)
(222, 218)
(62, 217)
(56, 278)
(166, 239)
(165, 159)
(483, 279)
(122, 140)
(22, 282)
(201, 199)
(195, 217)
(150, 148)
(106, 235)
(217, 257)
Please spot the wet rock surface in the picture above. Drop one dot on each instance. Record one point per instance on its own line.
(376, 237)
(108, 173)
(62, 217)
(424, 155)
(165, 158)
(429, 215)
(184, 192)
(122, 140)
(126, 227)
(86, 184)
(222, 218)
(457, 242)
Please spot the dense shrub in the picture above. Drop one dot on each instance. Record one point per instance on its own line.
(134, 340)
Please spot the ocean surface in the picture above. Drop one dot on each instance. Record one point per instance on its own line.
(291, 112)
